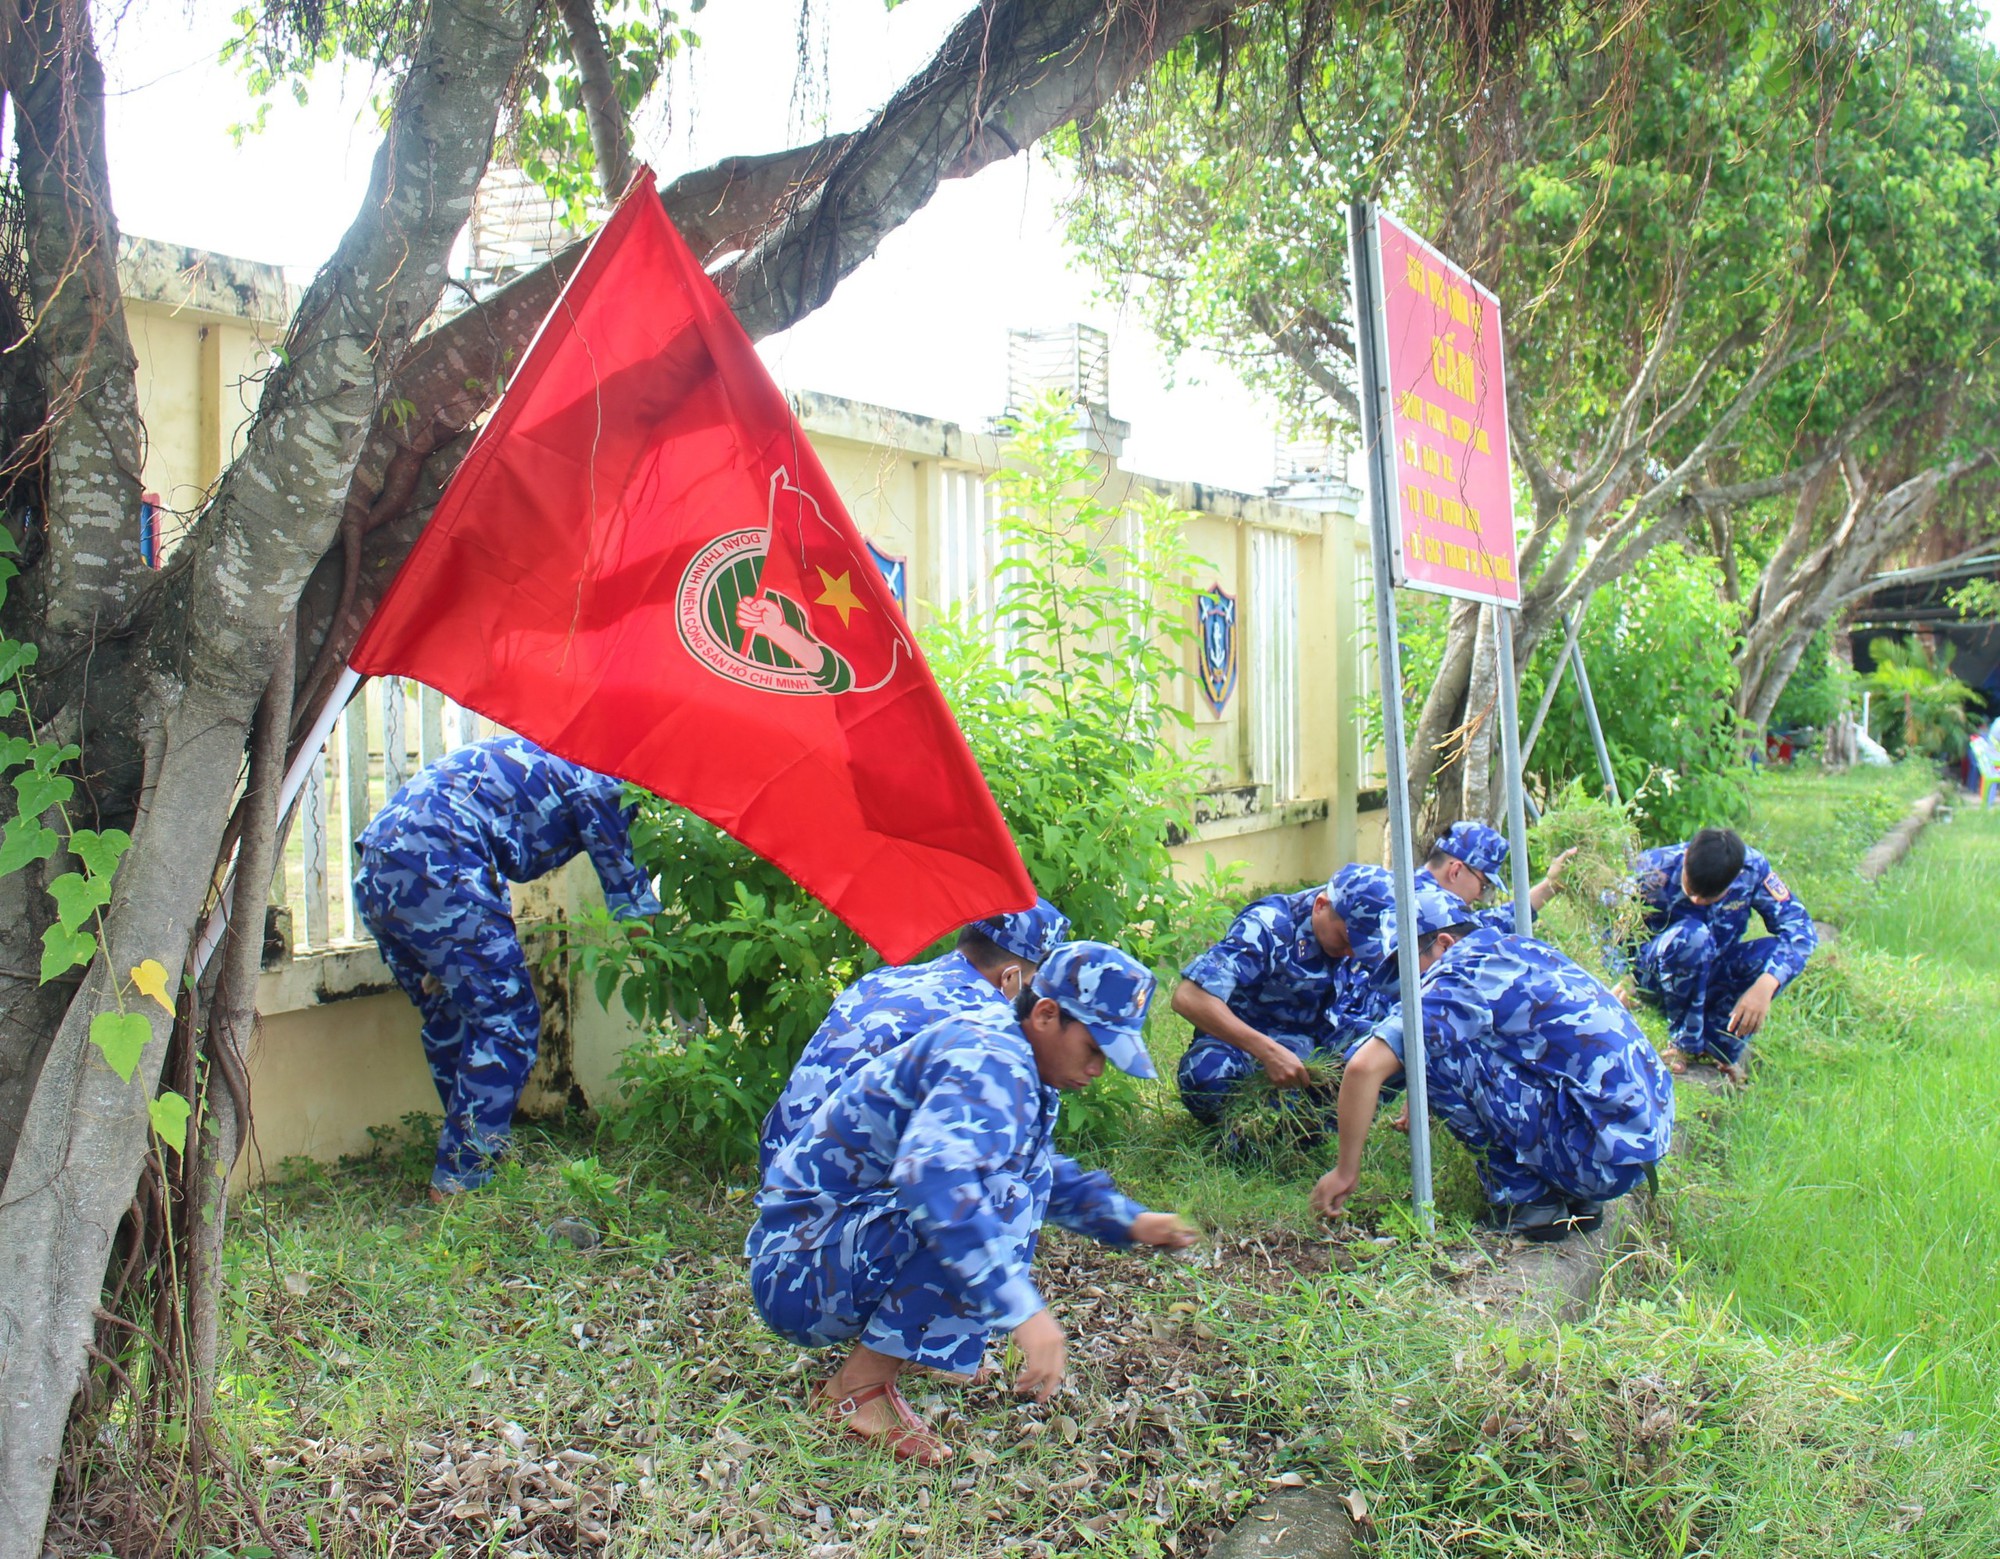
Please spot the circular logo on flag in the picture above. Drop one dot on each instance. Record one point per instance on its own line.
(749, 635)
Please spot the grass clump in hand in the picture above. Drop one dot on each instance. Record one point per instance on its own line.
(1276, 1126)
(1606, 840)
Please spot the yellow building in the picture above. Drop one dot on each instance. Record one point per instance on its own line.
(1291, 793)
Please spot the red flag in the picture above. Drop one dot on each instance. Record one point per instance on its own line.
(642, 566)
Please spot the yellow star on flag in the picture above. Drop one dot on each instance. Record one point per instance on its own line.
(839, 594)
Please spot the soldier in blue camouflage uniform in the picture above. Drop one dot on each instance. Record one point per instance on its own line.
(891, 1005)
(1715, 984)
(1292, 979)
(430, 883)
(1469, 860)
(1531, 1063)
(903, 1217)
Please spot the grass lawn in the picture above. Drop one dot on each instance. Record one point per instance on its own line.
(1863, 1170)
(403, 1380)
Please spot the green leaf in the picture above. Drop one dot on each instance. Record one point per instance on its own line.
(77, 896)
(39, 791)
(16, 657)
(25, 840)
(99, 852)
(169, 1114)
(122, 1036)
(63, 949)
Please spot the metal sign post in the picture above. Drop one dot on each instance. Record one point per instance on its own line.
(1510, 762)
(1365, 276)
(1441, 519)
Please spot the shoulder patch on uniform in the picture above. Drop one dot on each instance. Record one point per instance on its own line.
(1776, 889)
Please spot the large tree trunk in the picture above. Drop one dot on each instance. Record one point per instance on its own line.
(207, 659)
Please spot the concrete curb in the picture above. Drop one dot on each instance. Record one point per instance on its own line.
(1896, 843)
(1528, 1286)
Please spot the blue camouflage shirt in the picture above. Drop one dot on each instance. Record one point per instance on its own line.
(953, 1129)
(881, 1010)
(1270, 970)
(1559, 1033)
(506, 809)
(1656, 879)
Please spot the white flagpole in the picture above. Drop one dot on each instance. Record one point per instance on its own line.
(212, 929)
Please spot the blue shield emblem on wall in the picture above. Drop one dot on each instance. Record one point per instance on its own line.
(895, 573)
(1215, 620)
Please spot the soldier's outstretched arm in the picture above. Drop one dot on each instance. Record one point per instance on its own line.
(1360, 1092)
(607, 840)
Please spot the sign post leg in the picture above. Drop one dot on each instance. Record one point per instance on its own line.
(1510, 763)
(1590, 715)
(1365, 276)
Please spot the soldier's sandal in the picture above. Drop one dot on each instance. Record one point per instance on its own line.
(913, 1442)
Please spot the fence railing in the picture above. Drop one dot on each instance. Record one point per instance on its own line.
(390, 729)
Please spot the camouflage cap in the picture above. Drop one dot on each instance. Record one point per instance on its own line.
(1029, 933)
(1108, 991)
(1437, 910)
(1483, 849)
(1365, 897)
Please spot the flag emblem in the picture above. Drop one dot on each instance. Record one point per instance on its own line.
(738, 630)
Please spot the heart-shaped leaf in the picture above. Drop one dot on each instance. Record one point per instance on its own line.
(169, 1114)
(39, 791)
(63, 950)
(15, 658)
(122, 1037)
(77, 896)
(150, 979)
(26, 840)
(100, 852)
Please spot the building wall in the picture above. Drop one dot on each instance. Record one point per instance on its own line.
(203, 327)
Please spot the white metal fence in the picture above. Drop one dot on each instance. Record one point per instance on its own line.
(392, 728)
(1274, 663)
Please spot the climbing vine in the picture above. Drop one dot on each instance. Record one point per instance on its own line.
(73, 938)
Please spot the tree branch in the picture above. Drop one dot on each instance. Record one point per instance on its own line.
(610, 131)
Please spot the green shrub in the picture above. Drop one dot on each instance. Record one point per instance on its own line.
(1070, 698)
(1658, 644)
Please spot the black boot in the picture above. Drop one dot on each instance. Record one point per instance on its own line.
(1585, 1217)
(1536, 1221)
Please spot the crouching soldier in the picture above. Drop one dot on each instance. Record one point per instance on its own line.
(430, 883)
(1716, 985)
(886, 1007)
(1468, 860)
(1291, 980)
(1531, 1063)
(903, 1217)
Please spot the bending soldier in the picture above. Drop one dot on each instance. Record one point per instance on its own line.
(1715, 984)
(430, 885)
(903, 1217)
(1530, 1062)
(1467, 862)
(889, 1006)
(1291, 976)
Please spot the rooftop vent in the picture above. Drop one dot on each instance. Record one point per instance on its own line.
(1074, 362)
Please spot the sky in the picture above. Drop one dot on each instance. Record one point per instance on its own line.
(921, 327)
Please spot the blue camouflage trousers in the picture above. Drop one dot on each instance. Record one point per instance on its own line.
(1531, 1144)
(448, 938)
(1211, 1070)
(874, 1281)
(1699, 984)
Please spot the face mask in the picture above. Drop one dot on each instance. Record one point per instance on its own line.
(1011, 980)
